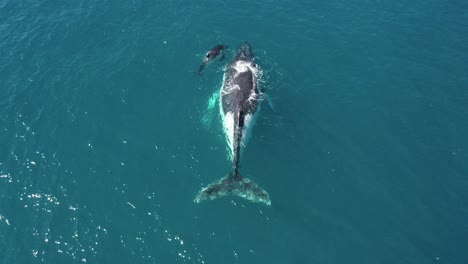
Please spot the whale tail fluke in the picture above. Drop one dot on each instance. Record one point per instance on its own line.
(200, 69)
(234, 184)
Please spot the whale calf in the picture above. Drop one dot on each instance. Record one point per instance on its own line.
(239, 103)
(211, 55)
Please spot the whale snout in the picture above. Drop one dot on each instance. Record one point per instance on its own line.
(245, 50)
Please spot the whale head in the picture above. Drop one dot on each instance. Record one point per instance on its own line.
(244, 52)
(210, 55)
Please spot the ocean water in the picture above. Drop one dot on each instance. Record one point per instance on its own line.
(106, 135)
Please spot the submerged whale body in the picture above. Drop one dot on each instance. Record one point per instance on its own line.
(239, 102)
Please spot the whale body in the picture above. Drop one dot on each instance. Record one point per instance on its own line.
(239, 103)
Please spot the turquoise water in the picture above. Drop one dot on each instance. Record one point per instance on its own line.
(106, 135)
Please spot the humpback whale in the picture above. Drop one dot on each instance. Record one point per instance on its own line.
(239, 102)
(211, 55)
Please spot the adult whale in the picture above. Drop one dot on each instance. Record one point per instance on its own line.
(239, 102)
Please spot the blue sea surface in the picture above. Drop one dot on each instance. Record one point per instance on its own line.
(107, 135)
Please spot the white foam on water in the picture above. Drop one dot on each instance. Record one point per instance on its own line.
(243, 66)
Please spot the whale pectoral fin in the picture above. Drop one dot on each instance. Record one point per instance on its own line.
(222, 57)
(266, 97)
(237, 185)
(270, 104)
